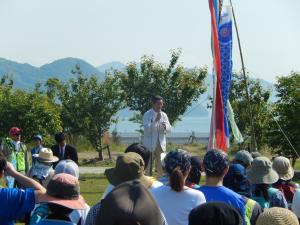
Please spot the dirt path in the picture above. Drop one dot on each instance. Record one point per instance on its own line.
(92, 170)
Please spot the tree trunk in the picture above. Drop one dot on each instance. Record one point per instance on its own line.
(294, 161)
(99, 148)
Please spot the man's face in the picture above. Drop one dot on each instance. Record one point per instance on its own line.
(158, 105)
(16, 137)
(61, 144)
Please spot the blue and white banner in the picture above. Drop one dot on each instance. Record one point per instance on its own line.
(225, 45)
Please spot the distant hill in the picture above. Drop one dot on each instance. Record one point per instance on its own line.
(111, 65)
(62, 68)
(26, 75)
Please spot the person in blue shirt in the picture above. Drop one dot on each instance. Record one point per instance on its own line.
(14, 202)
(216, 166)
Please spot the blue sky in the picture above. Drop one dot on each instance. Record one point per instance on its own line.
(40, 31)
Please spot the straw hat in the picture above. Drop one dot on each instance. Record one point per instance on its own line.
(277, 216)
(261, 171)
(46, 155)
(283, 167)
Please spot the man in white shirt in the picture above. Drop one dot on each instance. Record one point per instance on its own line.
(156, 125)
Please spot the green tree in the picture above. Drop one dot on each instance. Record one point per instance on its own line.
(177, 85)
(33, 111)
(286, 113)
(88, 106)
(259, 104)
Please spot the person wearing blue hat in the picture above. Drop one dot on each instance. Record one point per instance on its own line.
(38, 146)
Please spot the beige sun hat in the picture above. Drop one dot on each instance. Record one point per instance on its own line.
(283, 167)
(262, 172)
(277, 216)
(46, 155)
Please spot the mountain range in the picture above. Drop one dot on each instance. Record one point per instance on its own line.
(26, 75)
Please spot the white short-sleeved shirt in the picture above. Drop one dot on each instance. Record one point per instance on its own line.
(176, 206)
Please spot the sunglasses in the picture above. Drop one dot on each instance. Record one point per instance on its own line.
(17, 134)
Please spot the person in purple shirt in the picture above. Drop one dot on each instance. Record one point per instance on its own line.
(216, 166)
(14, 202)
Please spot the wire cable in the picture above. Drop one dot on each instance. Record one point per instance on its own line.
(286, 137)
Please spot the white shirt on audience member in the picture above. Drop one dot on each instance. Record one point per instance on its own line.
(176, 206)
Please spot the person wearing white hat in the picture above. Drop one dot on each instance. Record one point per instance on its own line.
(285, 172)
(262, 176)
(42, 170)
(67, 166)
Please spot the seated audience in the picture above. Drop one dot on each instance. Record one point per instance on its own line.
(237, 181)
(194, 177)
(62, 202)
(67, 166)
(296, 203)
(145, 154)
(135, 158)
(277, 216)
(14, 203)
(129, 166)
(215, 164)
(244, 158)
(130, 203)
(262, 176)
(42, 170)
(177, 200)
(215, 213)
(285, 172)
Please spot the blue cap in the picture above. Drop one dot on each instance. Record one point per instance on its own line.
(37, 137)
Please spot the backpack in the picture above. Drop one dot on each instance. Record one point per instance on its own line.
(288, 190)
(42, 216)
(262, 201)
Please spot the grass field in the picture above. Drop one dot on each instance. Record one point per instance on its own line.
(92, 187)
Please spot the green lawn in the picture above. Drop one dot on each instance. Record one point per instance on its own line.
(92, 187)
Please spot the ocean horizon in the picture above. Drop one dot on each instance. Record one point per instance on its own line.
(186, 125)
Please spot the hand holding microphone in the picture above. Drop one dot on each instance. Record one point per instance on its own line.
(158, 116)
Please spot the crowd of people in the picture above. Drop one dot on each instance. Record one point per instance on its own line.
(250, 189)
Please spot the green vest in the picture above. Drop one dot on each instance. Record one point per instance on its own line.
(248, 210)
(17, 158)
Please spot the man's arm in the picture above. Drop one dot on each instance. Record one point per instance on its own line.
(25, 181)
(149, 122)
(167, 126)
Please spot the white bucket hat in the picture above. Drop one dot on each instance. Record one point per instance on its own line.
(46, 155)
(283, 167)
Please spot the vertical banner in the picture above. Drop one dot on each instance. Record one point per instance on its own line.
(217, 137)
(225, 44)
